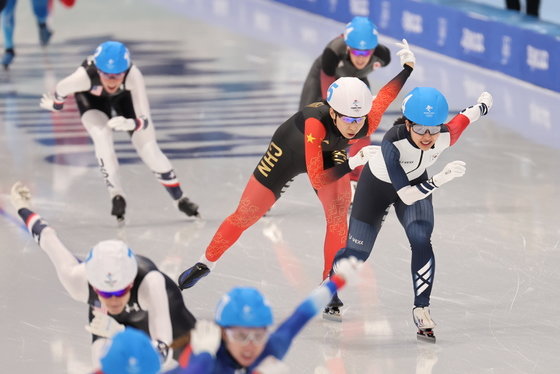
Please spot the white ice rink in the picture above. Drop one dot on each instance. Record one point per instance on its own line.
(218, 91)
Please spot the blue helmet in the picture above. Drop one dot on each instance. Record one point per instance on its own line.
(425, 106)
(112, 57)
(131, 352)
(361, 33)
(245, 307)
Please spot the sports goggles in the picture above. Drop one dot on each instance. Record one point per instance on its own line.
(361, 52)
(351, 120)
(108, 295)
(244, 336)
(111, 76)
(421, 129)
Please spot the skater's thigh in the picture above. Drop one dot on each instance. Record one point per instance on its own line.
(95, 123)
(372, 199)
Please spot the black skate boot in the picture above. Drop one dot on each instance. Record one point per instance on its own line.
(332, 310)
(189, 277)
(119, 206)
(188, 207)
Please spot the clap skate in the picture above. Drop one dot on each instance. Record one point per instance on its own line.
(192, 275)
(188, 207)
(332, 310)
(425, 324)
(119, 207)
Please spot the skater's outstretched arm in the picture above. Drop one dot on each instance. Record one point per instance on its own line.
(70, 271)
(346, 271)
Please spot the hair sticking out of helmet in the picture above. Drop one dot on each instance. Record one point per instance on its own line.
(112, 57)
(245, 307)
(111, 266)
(361, 33)
(425, 106)
(350, 97)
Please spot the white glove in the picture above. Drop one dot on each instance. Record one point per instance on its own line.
(272, 365)
(363, 156)
(206, 337)
(348, 268)
(486, 100)
(104, 325)
(122, 124)
(52, 103)
(20, 196)
(451, 171)
(406, 55)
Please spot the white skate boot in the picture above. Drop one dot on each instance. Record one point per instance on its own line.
(425, 324)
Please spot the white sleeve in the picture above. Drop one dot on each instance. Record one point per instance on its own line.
(152, 297)
(411, 194)
(78, 81)
(473, 113)
(71, 273)
(135, 84)
(98, 351)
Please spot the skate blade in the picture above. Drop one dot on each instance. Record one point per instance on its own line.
(426, 336)
(120, 222)
(332, 317)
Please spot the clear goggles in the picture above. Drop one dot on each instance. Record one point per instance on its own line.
(247, 335)
(421, 129)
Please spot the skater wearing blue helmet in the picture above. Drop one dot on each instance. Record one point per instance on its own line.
(111, 96)
(397, 177)
(240, 339)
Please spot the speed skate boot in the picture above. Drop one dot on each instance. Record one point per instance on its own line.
(332, 310)
(425, 324)
(8, 57)
(189, 277)
(119, 207)
(44, 34)
(188, 207)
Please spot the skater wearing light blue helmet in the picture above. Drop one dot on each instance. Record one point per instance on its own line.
(110, 94)
(240, 341)
(397, 176)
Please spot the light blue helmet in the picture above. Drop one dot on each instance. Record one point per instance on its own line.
(361, 33)
(245, 307)
(112, 57)
(425, 106)
(131, 352)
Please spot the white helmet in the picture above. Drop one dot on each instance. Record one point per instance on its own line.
(350, 97)
(111, 266)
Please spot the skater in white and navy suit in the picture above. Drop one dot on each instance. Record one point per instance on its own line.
(397, 176)
(111, 96)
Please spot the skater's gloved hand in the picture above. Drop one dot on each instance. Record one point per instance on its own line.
(363, 156)
(206, 337)
(406, 55)
(451, 171)
(122, 124)
(103, 325)
(20, 196)
(271, 365)
(52, 102)
(485, 100)
(348, 268)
